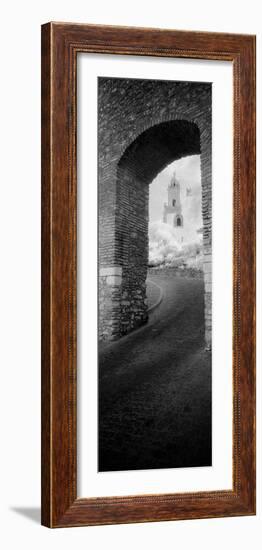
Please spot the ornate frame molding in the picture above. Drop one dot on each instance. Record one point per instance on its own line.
(60, 44)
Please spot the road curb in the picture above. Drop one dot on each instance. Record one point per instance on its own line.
(159, 300)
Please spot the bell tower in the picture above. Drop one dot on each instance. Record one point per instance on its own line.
(172, 209)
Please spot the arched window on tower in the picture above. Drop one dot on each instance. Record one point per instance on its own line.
(174, 202)
(179, 221)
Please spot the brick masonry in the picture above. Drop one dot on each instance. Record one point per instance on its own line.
(143, 126)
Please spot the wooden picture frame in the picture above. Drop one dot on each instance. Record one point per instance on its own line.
(61, 43)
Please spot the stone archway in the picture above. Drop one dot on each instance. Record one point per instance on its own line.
(148, 155)
(126, 168)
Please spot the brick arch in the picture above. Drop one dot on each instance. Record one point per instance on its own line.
(143, 126)
(144, 158)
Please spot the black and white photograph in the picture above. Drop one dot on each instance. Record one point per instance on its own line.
(155, 274)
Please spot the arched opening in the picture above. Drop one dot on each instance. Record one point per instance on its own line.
(146, 156)
(179, 221)
(170, 226)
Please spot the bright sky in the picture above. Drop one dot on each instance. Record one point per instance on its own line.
(188, 173)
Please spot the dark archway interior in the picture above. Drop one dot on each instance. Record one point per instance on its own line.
(160, 145)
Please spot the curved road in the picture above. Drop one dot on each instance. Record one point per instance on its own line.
(155, 386)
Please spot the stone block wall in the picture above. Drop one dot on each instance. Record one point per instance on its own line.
(131, 243)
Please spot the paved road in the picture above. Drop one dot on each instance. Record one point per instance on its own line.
(155, 387)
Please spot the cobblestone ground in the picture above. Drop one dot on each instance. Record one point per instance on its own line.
(155, 386)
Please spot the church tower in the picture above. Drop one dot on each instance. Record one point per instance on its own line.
(172, 209)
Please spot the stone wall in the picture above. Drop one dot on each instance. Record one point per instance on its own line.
(143, 126)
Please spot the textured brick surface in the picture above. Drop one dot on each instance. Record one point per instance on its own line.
(143, 126)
